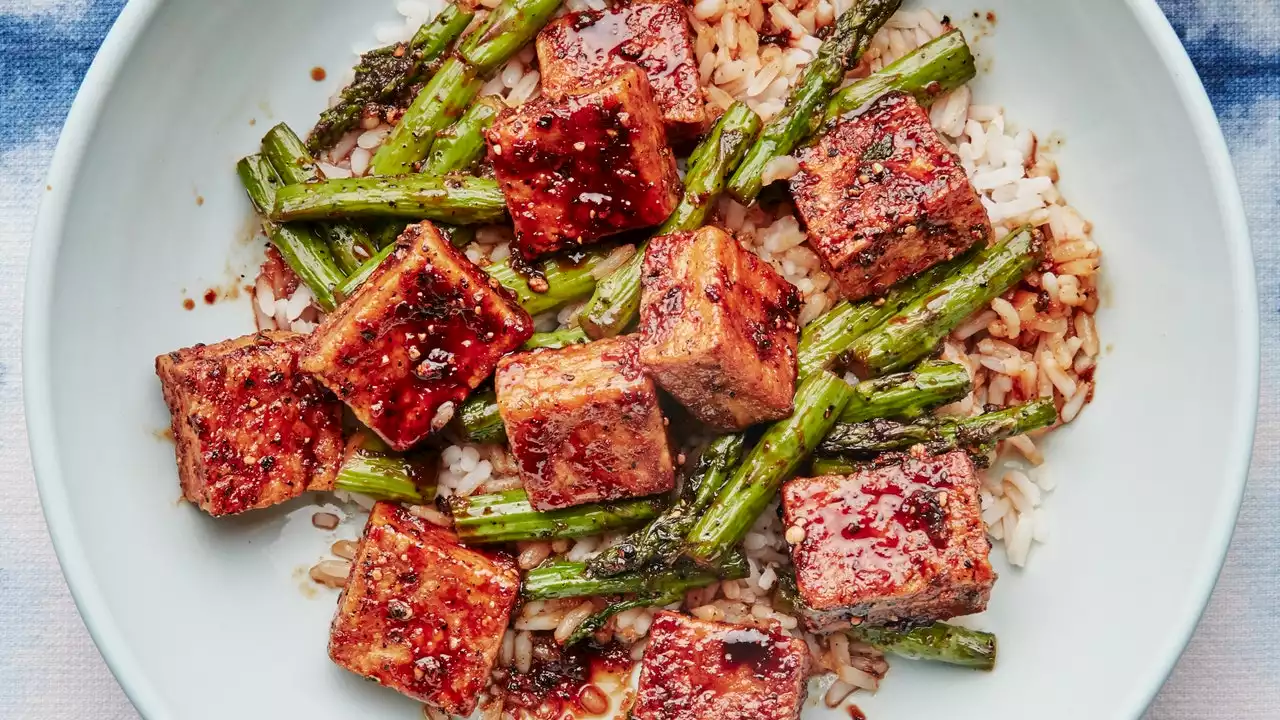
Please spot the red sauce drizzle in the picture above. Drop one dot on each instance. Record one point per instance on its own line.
(558, 676)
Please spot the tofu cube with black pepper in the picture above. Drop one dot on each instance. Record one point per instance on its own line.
(585, 166)
(698, 670)
(883, 198)
(249, 428)
(417, 337)
(422, 614)
(902, 543)
(719, 328)
(584, 424)
(581, 48)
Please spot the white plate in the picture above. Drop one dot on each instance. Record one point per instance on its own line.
(206, 619)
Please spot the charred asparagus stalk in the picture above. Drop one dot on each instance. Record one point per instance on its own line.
(915, 331)
(508, 517)
(616, 301)
(660, 541)
(458, 147)
(567, 279)
(803, 112)
(445, 96)
(348, 287)
(455, 199)
(820, 399)
(304, 252)
(977, 435)
(386, 74)
(370, 468)
(907, 395)
(293, 163)
(508, 28)
(939, 66)
(939, 642)
(563, 578)
(479, 420)
(557, 339)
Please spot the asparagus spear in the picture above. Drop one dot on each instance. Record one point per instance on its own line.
(479, 420)
(567, 279)
(977, 435)
(445, 96)
(370, 469)
(507, 29)
(508, 517)
(661, 540)
(940, 65)
(557, 339)
(840, 51)
(828, 338)
(826, 465)
(907, 395)
(384, 74)
(915, 331)
(819, 400)
(617, 298)
(458, 147)
(939, 642)
(348, 287)
(303, 252)
(349, 244)
(455, 199)
(564, 578)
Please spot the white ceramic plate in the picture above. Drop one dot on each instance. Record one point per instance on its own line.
(210, 619)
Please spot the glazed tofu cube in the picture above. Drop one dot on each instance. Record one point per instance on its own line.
(585, 166)
(585, 47)
(584, 424)
(719, 328)
(249, 428)
(699, 670)
(899, 543)
(884, 199)
(420, 613)
(421, 333)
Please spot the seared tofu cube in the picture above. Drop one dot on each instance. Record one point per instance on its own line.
(420, 613)
(250, 429)
(899, 543)
(421, 333)
(719, 328)
(584, 424)
(884, 199)
(700, 670)
(585, 47)
(583, 167)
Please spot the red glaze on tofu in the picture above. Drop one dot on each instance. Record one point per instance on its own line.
(421, 333)
(250, 429)
(900, 543)
(699, 670)
(583, 167)
(582, 48)
(584, 424)
(719, 328)
(422, 614)
(884, 199)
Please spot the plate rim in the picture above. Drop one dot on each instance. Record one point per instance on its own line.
(64, 167)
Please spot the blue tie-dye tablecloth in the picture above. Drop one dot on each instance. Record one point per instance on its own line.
(49, 668)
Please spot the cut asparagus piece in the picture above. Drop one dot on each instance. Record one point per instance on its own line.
(827, 465)
(385, 74)
(348, 287)
(557, 339)
(567, 279)
(827, 340)
(939, 66)
(455, 199)
(914, 331)
(803, 112)
(819, 401)
(508, 517)
(564, 578)
(293, 163)
(939, 642)
(616, 301)
(976, 435)
(479, 420)
(661, 541)
(458, 147)
(508, 28)
(445, 96)
(373, 470)
(907, 395)
(304, 252)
